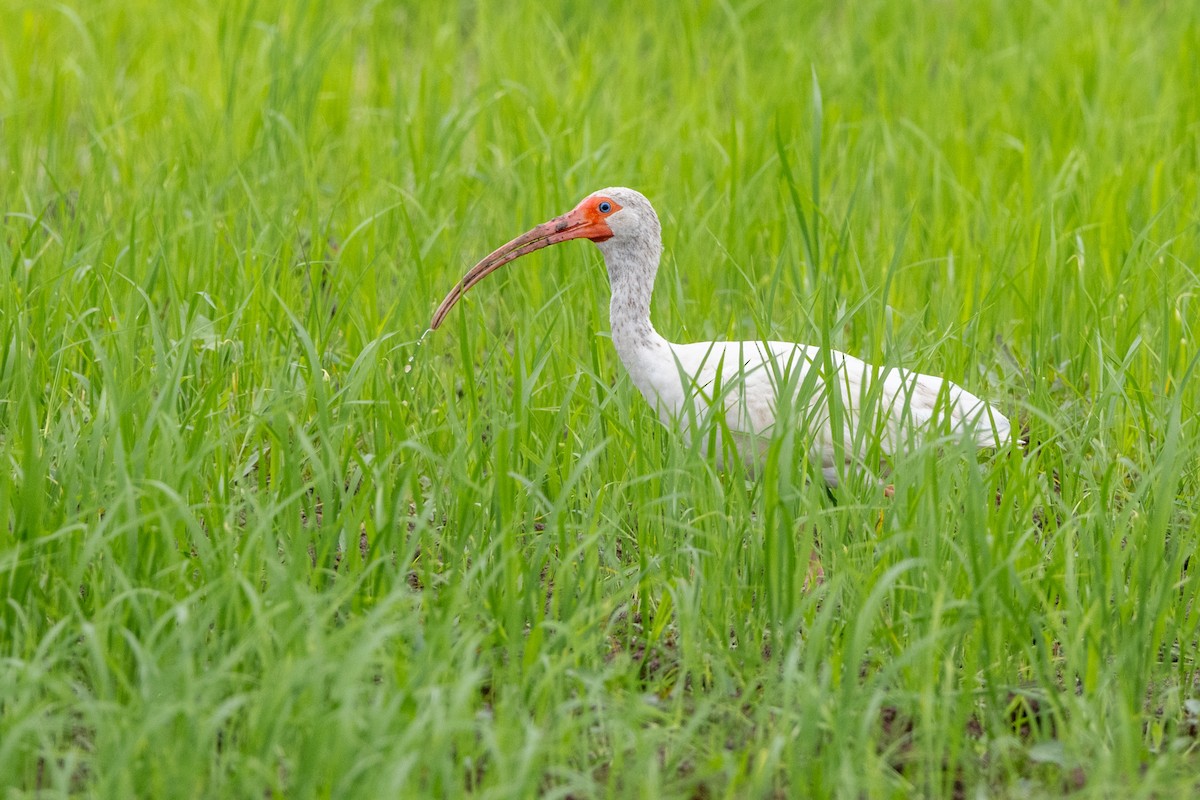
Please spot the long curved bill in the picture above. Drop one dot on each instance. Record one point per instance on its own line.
(574, 224)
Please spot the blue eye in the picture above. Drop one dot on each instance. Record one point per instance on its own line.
(605, 207)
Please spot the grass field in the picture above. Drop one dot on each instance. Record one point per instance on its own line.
(260, 538)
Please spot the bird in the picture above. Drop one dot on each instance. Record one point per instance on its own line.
(849, 409)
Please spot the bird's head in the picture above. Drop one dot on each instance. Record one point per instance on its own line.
(613, 218)
(631, 221)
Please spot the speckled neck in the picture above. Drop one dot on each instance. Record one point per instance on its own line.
(632, 265)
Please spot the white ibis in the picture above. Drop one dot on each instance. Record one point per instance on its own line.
(752, 383)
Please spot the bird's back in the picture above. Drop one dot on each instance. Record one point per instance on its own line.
(759, 385)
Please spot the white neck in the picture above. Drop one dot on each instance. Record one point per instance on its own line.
(632, 265)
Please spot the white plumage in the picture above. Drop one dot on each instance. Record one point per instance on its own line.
(750, 383)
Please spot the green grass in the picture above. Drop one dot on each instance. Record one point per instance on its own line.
(259, 538)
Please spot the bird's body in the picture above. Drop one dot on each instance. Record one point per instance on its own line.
(747, 381)
(754, 386)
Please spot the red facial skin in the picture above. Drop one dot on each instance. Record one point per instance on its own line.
(585, 221)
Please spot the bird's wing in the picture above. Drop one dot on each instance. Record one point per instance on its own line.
(831, 397)
(910, 405)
